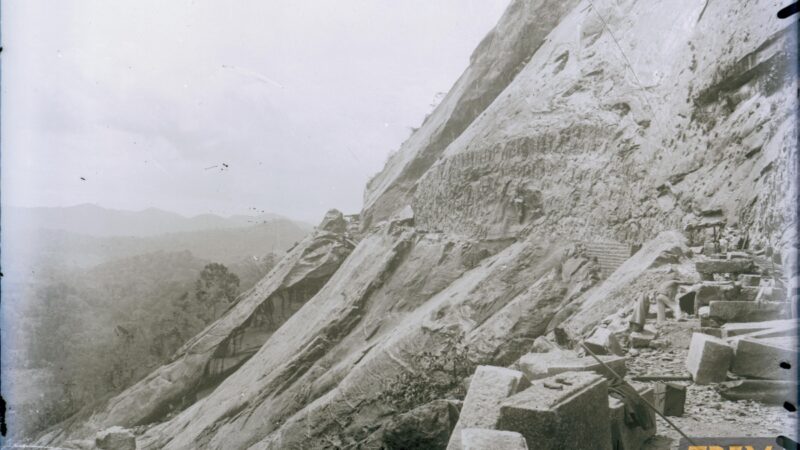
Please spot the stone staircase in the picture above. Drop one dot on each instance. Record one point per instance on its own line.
(609, 254)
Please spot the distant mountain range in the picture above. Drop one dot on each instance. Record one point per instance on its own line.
(36, 242)
(93, 220)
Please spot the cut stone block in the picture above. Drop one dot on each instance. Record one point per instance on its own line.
(735, 255)
(770, 328)
(777, 295)
(670, 398)
(708, 359)
(483, 439)
(755, 358)
(641, 339)
(565, 411)
(711, 331)
(748, 293)
(747, 311)
(588, 364)
(716, 290)
(711, 291)
(738, 265)
(750, 280)
(627, 436)
(488, 388)
(603, 342)
(787, 342)
(536, 366)
(771, 392)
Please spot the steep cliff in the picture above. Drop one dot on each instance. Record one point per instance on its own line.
(493, 65)
(632, 117)
(576, 122)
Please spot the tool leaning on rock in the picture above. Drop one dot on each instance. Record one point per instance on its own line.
(630, 389)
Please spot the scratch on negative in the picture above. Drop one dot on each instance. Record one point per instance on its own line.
(33, 446)
(703, 11)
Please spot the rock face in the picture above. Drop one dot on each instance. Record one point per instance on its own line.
(502, 54)
(571, 124)
(590, 132)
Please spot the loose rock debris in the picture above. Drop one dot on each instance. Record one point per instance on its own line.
(716, 375)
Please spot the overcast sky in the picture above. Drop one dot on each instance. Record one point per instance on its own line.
(149, 100)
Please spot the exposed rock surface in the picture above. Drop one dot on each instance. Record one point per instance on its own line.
(571, 124)
(424, 427)
(502, 54)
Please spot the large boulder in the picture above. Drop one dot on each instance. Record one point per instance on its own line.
(115, 438)
(333, 222)
(425, 427)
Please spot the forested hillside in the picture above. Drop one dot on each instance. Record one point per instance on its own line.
(85, 334)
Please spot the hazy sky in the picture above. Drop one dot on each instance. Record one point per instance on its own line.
(146, 100)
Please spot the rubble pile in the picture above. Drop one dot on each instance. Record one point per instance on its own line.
(557, 398)
(745, 343)
(704, 365)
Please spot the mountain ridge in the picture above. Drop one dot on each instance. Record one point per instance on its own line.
(94, 220)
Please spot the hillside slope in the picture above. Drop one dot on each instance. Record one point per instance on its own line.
(575, 123)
